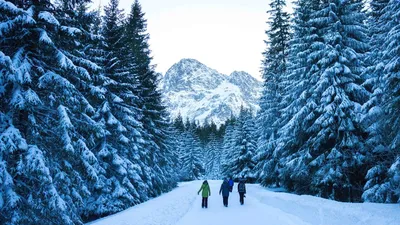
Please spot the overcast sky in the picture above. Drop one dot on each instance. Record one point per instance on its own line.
(226, 35)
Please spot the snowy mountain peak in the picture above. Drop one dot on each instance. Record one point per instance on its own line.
(246, 83)
(203, 94)
(241, 76)
(189, 72)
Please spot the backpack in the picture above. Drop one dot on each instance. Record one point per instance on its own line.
(241, 187)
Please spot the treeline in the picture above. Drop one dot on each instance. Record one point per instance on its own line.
(83, 131)
(329, 116)
(214, 153)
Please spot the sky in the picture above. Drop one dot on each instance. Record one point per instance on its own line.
(226, 35)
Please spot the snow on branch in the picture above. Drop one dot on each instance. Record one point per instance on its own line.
(17, 99)
(51, 78)
(48, 17)
(72, 31)
(5, 62)
(64, 61)
(65, 121)
(10, 25)
(45, 38)
(6, 6)
(32, 97)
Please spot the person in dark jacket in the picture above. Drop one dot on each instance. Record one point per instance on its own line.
(242, 190)
(230, 182)
(205, 193)
(225, 192)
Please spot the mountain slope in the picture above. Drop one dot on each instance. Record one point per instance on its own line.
(203, 94)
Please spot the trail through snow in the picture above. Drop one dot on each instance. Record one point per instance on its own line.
(182, 206)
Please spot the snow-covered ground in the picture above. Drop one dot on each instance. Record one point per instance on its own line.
(182, 206)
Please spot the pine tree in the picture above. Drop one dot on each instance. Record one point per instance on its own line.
(323, 142)
(154, 119)
(227, 148)
(28, 193)
(178, 123)
(213, 157)
(120, 183)
(392, 88)
(76, 126)
(298, 81)
(191, 157)
(382, 185)
(44, 116)
(336, 143)
(242, 163)
(273, 69)
(249, 148)
(379, 156)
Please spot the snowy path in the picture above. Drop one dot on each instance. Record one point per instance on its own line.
(250, 213)
(182, 206)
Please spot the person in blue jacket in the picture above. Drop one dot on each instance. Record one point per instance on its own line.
(230, 182)
(225, 192)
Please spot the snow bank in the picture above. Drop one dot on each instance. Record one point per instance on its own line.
(164, 210)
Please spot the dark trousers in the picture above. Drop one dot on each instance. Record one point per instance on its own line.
(225, 200)
(230, 188)
(241, 194)
(204, 202)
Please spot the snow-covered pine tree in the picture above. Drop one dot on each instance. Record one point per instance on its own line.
(188, 150)
(174, 140)
(336, 142)
(172, 153)
(27, 190)
(212, 159)
(180, 150)
(191, 156)
(44, 116)
(244, 147)
(273, 69)
(178, 123)
(186, 141)
(383, 184)
(294, 175)
(179, 128)
(155, 117)
(120, 183)
(227, 147)
(76, 168)
(209, 162)
(239, 146)
(379, 156)
(392, 88)
(26, 186)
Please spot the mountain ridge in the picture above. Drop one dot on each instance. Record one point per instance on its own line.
(202, 94)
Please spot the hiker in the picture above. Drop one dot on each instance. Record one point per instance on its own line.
(205, 188)
(225, 192)
(242, 190)
(230, 185)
